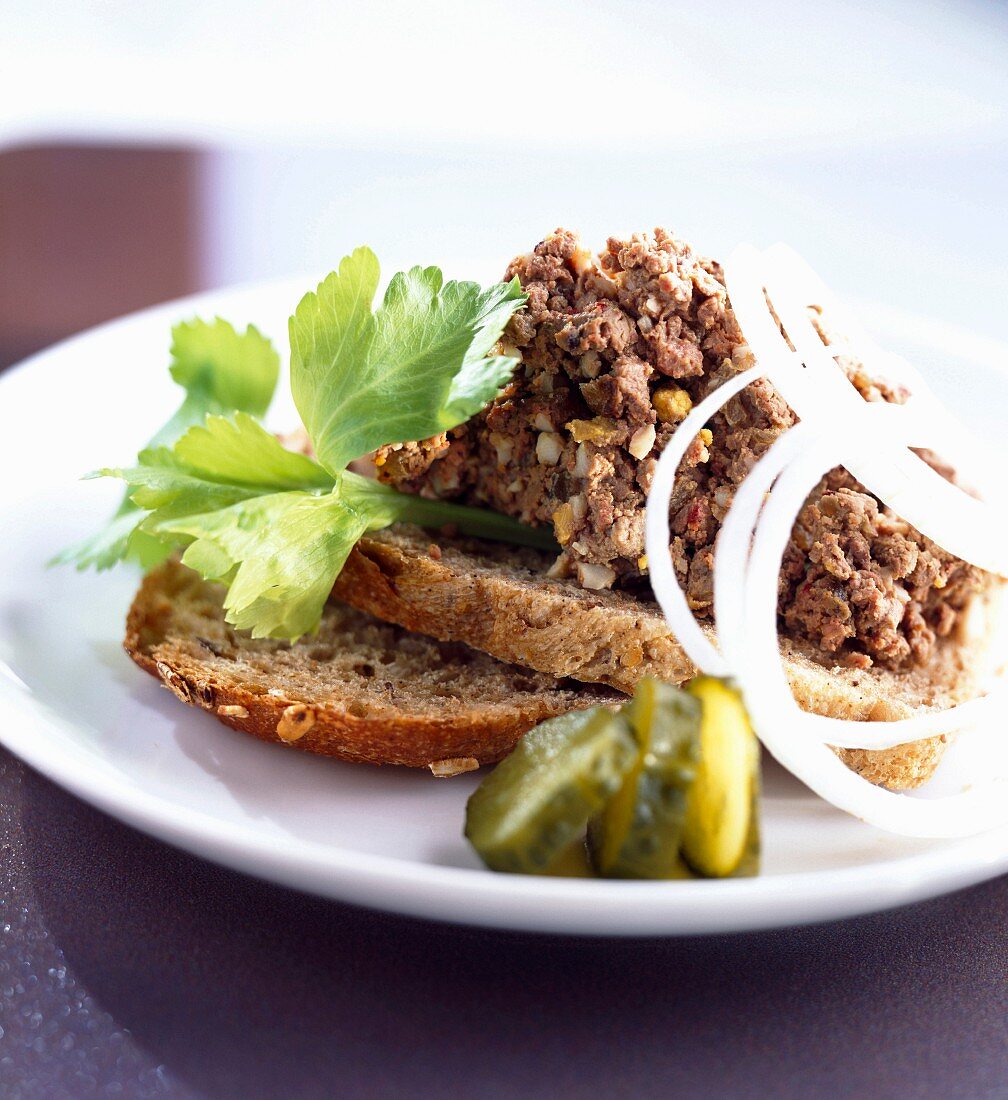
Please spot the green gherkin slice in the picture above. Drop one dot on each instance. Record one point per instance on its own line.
(721, 833)
(534, 806)
(637, 833)
(572, 862)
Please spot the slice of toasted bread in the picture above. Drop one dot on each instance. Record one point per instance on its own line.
(498, 599)
(360, 689)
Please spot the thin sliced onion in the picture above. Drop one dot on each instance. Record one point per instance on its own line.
(731, 553)
(792, 271)
(734, 584)
(878, 362)
(790, 734)
(872, 441)
(775, 359)
(755, 623)
(821, 370)
(658, 536)
(964, 526)
(963, 814)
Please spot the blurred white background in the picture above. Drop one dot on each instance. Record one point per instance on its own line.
(871, 136)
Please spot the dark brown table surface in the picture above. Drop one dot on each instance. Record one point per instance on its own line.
(130, 969)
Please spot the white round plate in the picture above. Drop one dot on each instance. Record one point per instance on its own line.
(74, 707)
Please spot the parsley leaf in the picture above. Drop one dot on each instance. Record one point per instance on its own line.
(221, 370)
(279, 553)
(417, 366)
(276, 526)
(252, 513)
(216, 463)
(229, 369)
(240, 451)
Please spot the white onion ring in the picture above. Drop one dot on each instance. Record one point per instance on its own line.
(878, 362)
(982, 806)
(731, 552)
(775, 359)
(658, 536)
(745, 616)
(872, 440)
(966, 527)
(792, 271)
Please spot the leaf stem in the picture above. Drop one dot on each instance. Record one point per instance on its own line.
(384, 506)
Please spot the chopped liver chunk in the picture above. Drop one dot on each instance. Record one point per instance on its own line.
(615, 351)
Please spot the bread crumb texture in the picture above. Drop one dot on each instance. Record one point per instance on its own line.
(360, 689)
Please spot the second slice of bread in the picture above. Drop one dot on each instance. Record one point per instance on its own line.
(499, 599)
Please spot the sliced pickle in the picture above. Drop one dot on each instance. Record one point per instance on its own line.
(637, 833)
(536, 803)
(721, 833)
(572, 862)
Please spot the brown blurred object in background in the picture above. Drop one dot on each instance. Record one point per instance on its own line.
(91, 232)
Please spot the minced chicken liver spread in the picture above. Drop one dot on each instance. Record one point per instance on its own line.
(615, 352)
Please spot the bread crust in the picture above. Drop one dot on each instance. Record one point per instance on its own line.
(175, 631)
(500, 600)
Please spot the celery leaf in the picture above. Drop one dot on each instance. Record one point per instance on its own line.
(418, 365)
(222, 371)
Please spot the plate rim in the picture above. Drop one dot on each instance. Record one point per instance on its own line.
(617, 907)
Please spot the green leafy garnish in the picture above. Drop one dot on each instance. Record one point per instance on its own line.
(222, 368)
(277, 526)
(416, 366)
(221, 371)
